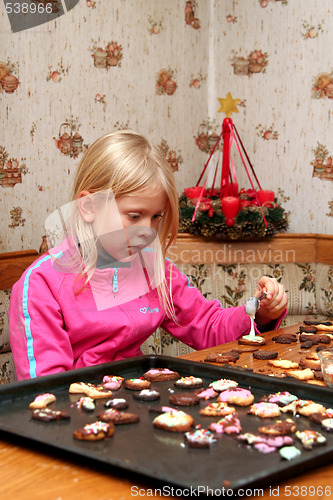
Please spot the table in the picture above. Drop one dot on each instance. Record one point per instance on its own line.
(37, 474)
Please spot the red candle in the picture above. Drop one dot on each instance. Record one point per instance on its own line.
(265, 196)
(230, 206)
(231, 189)
(193, 192)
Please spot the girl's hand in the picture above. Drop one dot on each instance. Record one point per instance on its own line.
(275, 302)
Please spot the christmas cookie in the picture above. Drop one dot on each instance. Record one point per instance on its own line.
(147, 395)
(223, 384)
(178, 421)
(264, 410)
(327, 424)
(303, 375)
(285, 364)
(117, 404)
(229, 424)
(48, 415)
(42, 400)
(118, 417)
(189, 382)
(254, 340)
(188, 399)
(237, 396)
(137, 384)
(112, 382)
(200, 438)
(304, 407)
(207, 394)
(285, 338)
(94, 432)
(86, 403)
(309, 439)
(265, 354)
(91, 390)
(281, 398)
(265, 444)
(280, 428)
(160, 374)
(217, 409)
(289, 452)
(319, 416)
(225, 357)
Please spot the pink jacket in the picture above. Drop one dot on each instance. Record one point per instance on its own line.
(53, 329)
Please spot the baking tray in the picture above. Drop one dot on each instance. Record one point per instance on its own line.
(162, 456)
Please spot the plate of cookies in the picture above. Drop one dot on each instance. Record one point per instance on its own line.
(175, 421)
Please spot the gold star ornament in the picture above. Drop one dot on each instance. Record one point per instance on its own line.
(228, 105)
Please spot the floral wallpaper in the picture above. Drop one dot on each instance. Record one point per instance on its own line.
(160, 68)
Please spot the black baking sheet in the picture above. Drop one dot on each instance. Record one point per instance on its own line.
(160, 455)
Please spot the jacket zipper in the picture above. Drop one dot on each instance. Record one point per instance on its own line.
(115, 280)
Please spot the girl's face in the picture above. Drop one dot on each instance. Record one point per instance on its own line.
(127, 224)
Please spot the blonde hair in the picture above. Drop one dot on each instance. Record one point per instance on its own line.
(125, 162)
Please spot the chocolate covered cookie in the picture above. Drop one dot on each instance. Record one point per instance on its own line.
(147, 395)
(261, 354)
(189, 382)
(94, 432)
(48, 415)
(185, 399)
(200, 438)
(118, 417)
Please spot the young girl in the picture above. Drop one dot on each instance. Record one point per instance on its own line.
(100, 294)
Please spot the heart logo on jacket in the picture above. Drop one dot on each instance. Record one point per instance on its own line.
(143, 310)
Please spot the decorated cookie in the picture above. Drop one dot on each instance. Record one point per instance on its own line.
(160, 374)
(91, 390)
(237, 396)
(327, 424)
(200, 438)
(265, 444)
(178, 421)
(189, 382)
(117, 404)
(304, 407)
(281, 398)
(147, 395)
(188, 399)
(223, 384)
(86, 403)
(289, 452)
(309, 439)
(264, 410)
(112, 382)
(48, 415)
(207, 394)
(137, 384)
(42, 400)
(118, 417)
(255, 340)
(280, 428)
(94, 432)
(217, 409)
(229, 424)
(318, 417)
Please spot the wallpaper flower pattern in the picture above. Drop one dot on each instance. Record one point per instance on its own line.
(159, 67)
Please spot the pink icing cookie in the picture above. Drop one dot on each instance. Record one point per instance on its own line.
(207, 394)
(113, 383)
(42, 400)
(229, 424)
(237, 396)
(264, 410)
(160, 374)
